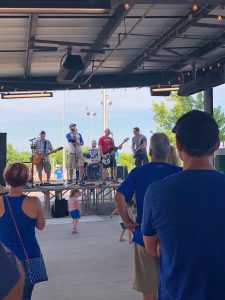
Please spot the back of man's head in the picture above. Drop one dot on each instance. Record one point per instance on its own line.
(159, 146)
(198, 133)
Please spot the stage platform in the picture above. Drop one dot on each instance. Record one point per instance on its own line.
(94, 195)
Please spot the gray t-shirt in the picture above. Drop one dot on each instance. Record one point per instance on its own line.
(137, 141)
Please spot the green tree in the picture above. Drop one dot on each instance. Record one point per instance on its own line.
(126, 159)
(168, 111)
(13, 155)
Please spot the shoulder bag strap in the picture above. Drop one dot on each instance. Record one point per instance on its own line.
(17, 229)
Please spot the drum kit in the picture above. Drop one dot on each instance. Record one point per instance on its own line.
(92, 168)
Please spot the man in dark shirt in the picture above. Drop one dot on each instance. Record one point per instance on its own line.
(11, 276)
(184, 216)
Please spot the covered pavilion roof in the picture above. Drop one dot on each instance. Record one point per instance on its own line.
(136, 43)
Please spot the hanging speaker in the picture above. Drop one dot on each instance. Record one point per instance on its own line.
(3, 150)
(70, 69)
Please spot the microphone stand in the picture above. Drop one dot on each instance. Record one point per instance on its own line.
(32, 163)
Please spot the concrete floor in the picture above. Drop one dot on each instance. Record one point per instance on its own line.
(91, 265)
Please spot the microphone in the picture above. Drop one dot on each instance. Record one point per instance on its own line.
(31, 140)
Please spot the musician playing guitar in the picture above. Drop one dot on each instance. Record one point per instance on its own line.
(139, 145)
(107, 151)
(43, 146)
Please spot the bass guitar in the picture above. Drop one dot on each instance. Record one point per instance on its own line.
(107, 157)
(38, 158)
(135, 152)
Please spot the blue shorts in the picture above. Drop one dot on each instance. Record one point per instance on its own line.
(75, 214)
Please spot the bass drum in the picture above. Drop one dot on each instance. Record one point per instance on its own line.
(93, 171)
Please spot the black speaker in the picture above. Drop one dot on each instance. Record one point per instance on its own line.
(122, 172)
(70, 68)
(3, 150)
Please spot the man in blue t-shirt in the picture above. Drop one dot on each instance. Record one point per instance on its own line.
(139, 179)
(184, 217)
(58, 172)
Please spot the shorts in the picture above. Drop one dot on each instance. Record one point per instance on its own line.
(76, 160)
(140, 159)
(46, 166)
(123, 226)
(111, 164)
(75, 214)
(145, 271)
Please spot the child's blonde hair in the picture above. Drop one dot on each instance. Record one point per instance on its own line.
(74, 192)
(173, 157)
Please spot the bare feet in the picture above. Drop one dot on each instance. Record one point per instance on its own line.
(122, 240)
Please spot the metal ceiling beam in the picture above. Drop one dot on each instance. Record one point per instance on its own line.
(178, 28)
(208, 25)
(33, 22)
(205, 49)
(112, 24)
(182, 2)
(96, 82)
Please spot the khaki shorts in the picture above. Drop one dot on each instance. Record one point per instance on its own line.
(46, 166)
(76, 160)
(145, 271)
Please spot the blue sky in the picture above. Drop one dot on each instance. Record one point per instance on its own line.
(23, 119)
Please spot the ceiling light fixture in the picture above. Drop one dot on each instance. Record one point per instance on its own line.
(165, 89)
(219, 18)
(26, 95)
(57, 6)
(126, 6)
(194, 7)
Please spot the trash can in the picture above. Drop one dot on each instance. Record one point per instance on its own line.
(219, 160)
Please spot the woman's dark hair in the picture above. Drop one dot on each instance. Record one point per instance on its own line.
(16, 174)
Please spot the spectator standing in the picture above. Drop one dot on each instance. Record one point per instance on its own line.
(28, 215)
(184, 216)
(138, 181)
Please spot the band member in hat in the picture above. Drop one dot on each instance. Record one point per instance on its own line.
(43, 146)
(76, 159)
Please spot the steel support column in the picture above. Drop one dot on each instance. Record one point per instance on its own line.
(208, 101)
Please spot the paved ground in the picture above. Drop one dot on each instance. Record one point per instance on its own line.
(91, 265)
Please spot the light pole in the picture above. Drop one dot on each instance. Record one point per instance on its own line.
(91, 114)
(104, 103)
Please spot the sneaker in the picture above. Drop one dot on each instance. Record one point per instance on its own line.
(81, 183)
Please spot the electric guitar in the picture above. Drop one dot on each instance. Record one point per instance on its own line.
(37, 158)
(106, 159)
(135, 152)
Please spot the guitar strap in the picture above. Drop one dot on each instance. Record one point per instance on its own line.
(45, 146)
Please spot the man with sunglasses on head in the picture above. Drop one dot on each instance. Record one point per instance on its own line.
(76, 159)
